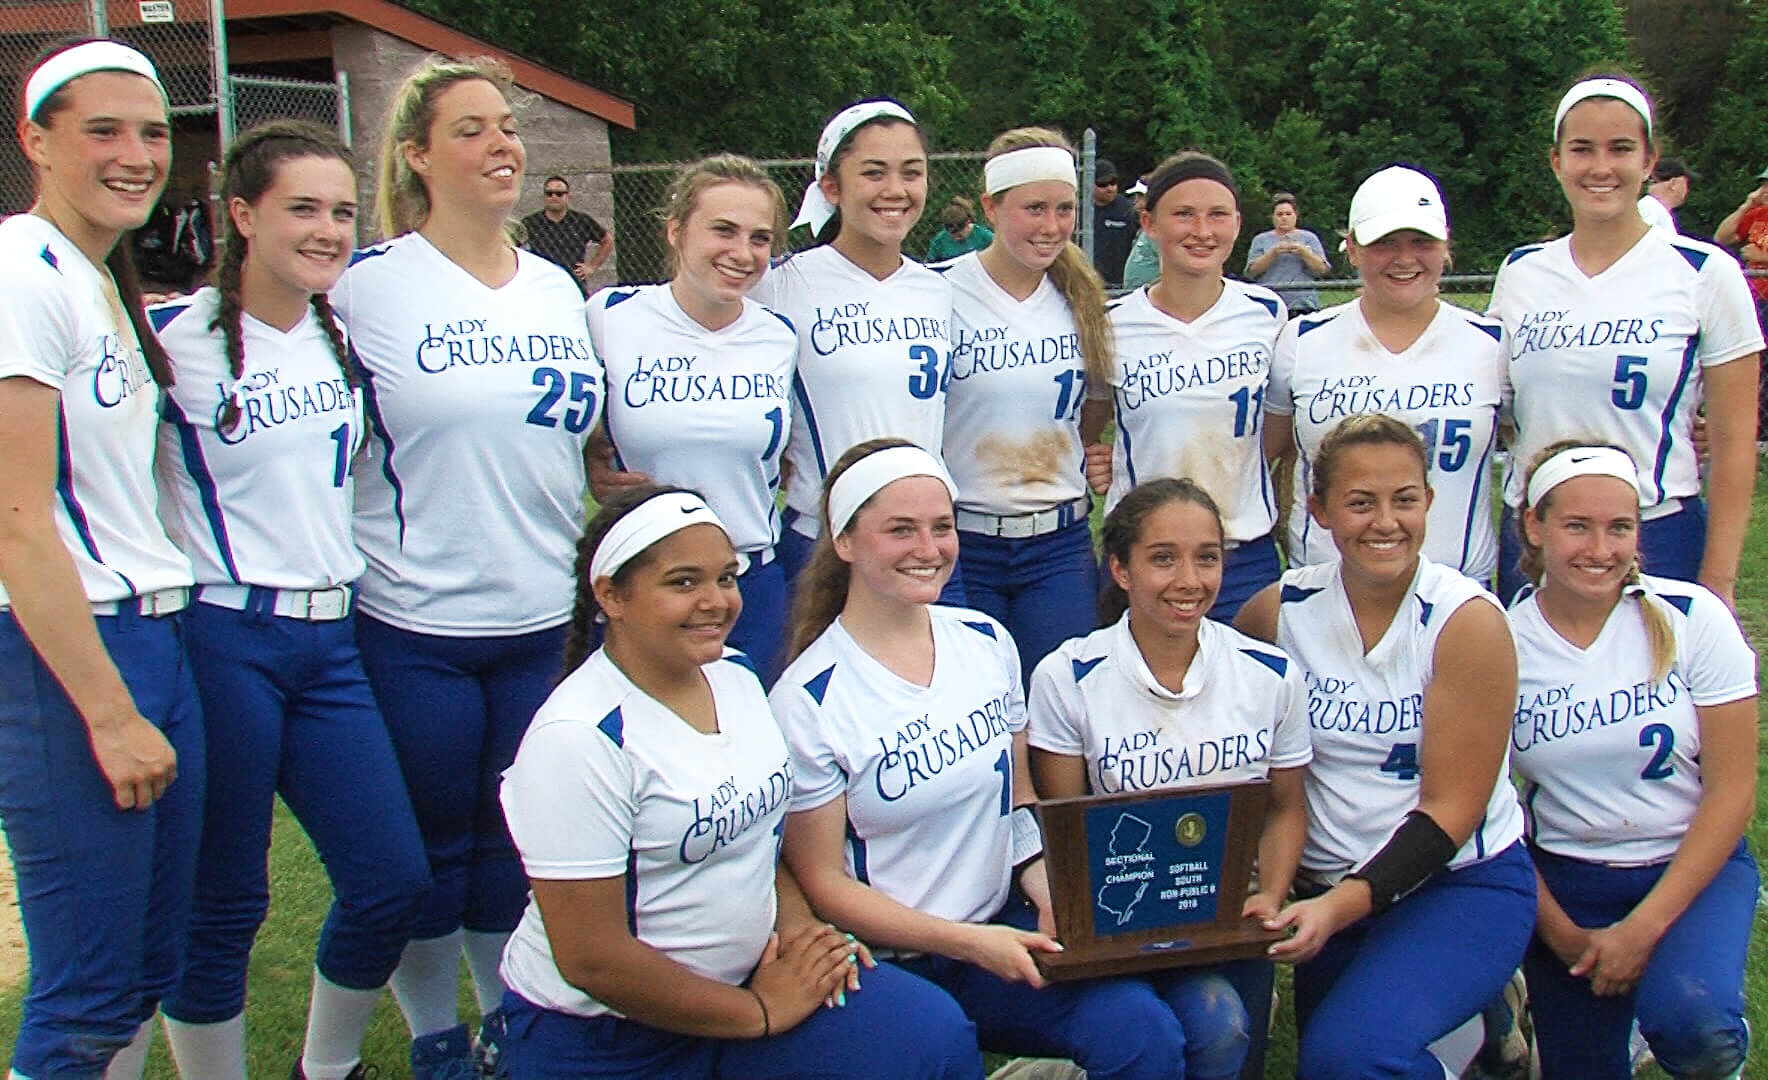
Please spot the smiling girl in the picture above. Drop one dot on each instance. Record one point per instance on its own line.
(101, 741)
(1396, 349)
(1193, 352)
(256, 488)
(700, 378)
(481, 391)
(1626, 332)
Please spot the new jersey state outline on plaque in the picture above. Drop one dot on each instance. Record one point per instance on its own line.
(1129, 838)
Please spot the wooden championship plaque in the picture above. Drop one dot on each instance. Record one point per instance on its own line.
(1153, 879)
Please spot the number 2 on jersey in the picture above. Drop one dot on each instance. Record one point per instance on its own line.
(929, 379)
(1658, 768)
(582, 408)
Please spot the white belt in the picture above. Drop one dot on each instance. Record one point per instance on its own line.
(313, 605)
(753, 560)
(1020, 526)
(153, 604)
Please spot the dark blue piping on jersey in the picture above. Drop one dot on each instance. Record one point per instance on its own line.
(802, 393)
(1663, 454)
(198, 469)
(64, 486)
(1123, 431)
(1476, 505)
(372, 406)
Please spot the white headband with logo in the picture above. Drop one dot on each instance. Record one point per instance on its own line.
(1575, 461)
(84, 59)
(869, 475)
(816, 209)
(1028, 165)
(1609, 88)
(644, 525)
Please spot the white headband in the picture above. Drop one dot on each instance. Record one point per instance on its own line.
(644, 525)
(1609, 88)
(1575, 461)
(816, 209)
(868, 476)
(69, 64)
(1028, 165)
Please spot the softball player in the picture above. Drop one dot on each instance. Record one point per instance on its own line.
(1635, 734)
(255, 485)
(1400, 350)
(101, 741)
(1622, 332)
(874, 327)
(481, 389)
(1193, 352)
(1029, 333)
(1162, 698)
(647, 801)
(1413, 867)
(911, 822)
(700, 377)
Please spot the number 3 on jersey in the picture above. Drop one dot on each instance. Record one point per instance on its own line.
(929, 379)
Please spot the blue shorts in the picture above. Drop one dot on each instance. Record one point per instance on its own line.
(104, 894)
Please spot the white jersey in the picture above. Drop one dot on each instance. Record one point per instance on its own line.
(1610, 759)
(927, 770)
(1012, 418)
(1366, 714)
(469, 500)
(874, 360)
(1190, 400)
(704, 409)
(1656, 214)
(58, 328)
(608, 781)
(1446, 386)
(1242, 711)
(267, 501)
(1619, 357)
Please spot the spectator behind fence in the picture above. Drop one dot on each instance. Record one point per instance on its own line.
(1284, 255)
(1746, 228)
(1114, 224)
(958, 232)
(1143, 265)
(563, 235)
(1667, 191)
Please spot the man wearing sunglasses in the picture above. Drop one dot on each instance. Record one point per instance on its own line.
(565, 236)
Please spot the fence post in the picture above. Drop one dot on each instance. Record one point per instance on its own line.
(100, 18)
(223, 77)
(1089, 152)
(344, 131)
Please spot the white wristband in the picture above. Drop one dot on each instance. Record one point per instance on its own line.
(1028, 839)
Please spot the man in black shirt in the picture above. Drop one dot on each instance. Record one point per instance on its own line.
(1115, 224)
(563, 235)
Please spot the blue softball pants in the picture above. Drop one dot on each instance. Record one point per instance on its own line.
(289, 712)
(1689, 1001)
(104, 894)
(1383, 989)
(1043, 589)
(760, 631)
(870, 1036)
(456, 709)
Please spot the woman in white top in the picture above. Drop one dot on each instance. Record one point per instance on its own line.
(1625, 332)
(1193, 353)
(647, 801)
(101, 740)
(874, 326)
(1417, 893)
(911, 820)
(700, 378)
(1635, 735)
(1029, 335)
(1162, 697)
(1398, 349)
(481, 390)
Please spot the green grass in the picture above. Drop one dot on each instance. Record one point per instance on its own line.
(282, 963)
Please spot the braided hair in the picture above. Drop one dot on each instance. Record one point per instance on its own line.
(250, 170)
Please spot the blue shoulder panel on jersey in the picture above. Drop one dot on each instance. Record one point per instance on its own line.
(819, 686)
(986, 629)
(613, 726)
(619, 296)
(49, 257)
(741, 659)
(780, 317)
(1310, 324)
(1680, 601)
(1268, 305)
(1696, 257)
(1274, 661)
(1083, 668)
(362, 254)
(1113, 305)
(1291, 594)
(1495, 332)
(1529, 249)
(1425, 607)
(161, 315)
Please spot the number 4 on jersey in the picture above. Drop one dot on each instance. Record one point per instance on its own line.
(1402, 761)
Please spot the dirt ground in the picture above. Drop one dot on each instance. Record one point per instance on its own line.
(12, 936)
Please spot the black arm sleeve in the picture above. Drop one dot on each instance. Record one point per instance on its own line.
(1419, 848)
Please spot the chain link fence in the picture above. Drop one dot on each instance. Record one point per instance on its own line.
(258, 98)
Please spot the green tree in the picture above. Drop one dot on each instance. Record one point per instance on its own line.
(1733, 151)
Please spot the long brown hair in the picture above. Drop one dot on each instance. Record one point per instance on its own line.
(402, 201)
(832, 227)
(1072, 273)
(1123, 528)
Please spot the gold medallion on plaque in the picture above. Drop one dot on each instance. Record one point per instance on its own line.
(1189, 830)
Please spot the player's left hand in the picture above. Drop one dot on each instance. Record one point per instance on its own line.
(1615, 957)
(1313, 922)
(1098, 467)
(1261, 906)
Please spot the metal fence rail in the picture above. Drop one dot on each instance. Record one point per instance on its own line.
(257, 98)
